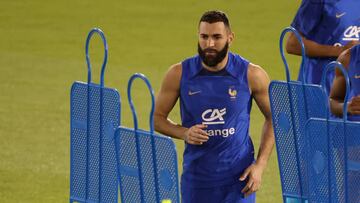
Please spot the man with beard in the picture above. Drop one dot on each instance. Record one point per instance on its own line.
(215, 89)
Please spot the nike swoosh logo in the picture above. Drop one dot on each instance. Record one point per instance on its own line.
(357, 76)
(340, 15)
(193, 93)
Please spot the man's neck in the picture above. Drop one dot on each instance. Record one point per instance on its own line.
(219, 66)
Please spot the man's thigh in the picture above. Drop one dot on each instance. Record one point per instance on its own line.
(231, 194)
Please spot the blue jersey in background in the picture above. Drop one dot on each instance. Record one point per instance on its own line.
(328, 22)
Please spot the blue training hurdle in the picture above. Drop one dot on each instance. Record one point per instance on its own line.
(94, 116)
(334, 154)
(147, 162)
(292, 104)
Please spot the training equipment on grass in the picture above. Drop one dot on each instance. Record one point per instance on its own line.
(334, 154)
(95, 114)
(292, 104)
(147, 162)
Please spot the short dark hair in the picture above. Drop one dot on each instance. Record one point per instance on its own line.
(214, 17)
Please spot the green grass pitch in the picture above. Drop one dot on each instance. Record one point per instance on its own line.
(42, 53)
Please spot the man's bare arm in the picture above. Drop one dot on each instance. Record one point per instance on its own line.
(338, 90)
(164, 103)
(314, 49)
(259, 84)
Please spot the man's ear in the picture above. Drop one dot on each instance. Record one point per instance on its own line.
(231, 37)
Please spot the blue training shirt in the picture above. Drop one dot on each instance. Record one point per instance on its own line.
(354, 76)
(329, 22)
(223, 103)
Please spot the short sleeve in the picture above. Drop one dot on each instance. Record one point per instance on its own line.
(308, 16)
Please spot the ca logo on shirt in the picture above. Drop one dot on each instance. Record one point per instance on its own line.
(213, 116)
(351, 33)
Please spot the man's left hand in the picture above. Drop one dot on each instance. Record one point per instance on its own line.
(253, 173)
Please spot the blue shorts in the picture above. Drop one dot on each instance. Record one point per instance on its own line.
(222, 194)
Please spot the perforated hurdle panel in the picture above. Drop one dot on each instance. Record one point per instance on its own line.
(87, 148)
(329, 155)
(129, 169)
(292, 104)
(325, 159)
(353, 150)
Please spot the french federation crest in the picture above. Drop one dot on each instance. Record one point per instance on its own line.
(232, 92)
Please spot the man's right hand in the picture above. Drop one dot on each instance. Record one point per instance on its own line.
(354, 105)
(196, 135)
(350, 44)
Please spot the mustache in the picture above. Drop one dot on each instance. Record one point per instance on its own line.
(210, 50)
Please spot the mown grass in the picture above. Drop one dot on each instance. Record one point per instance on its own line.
(42, 53)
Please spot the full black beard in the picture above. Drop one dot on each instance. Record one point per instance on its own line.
(212, 61)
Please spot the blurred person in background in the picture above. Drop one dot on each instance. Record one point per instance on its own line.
(328, 27)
